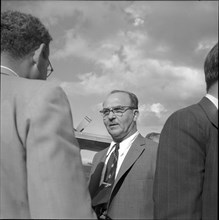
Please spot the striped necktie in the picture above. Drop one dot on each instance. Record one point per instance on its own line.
(111, 166)
(104, 191)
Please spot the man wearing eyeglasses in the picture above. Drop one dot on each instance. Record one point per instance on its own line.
(125, 191)
(40, 164)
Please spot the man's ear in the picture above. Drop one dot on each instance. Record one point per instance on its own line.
(136, 114)
(39, 53)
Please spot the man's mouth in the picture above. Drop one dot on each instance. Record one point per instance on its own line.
(113, 125)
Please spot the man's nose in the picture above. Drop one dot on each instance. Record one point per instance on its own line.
(111, 115)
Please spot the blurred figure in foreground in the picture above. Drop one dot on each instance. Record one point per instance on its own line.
(121, 181)
(40, 164)
(186, 179)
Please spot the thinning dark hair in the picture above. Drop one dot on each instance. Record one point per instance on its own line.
(211, 67)
(22, 33)
(132, 96)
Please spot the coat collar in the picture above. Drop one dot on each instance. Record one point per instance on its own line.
(137, 148)
(210, 110)
(134, 152)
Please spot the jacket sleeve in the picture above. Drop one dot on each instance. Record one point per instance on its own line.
(56, 182)
(180, 164)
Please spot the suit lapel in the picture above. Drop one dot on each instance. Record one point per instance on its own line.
(97, 172)
(133, 154)
(210, 110)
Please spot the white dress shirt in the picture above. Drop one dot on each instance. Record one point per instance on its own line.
(213, 99)
(124, 147)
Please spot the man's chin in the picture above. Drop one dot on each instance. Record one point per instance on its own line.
(115, 133)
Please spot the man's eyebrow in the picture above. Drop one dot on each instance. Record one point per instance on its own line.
(118, 106)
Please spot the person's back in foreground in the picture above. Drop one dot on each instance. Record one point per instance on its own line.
(186, 178)
(40, 166)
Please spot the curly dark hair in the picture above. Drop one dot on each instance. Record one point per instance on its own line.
(21, 33)
(211, 67)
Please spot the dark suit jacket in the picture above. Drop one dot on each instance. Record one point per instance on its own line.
(40, 164)
(131, 196)
(186, 179)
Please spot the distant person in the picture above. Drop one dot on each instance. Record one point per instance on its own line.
(186, 180)
(40, 164)
(154, 136)
(123, 189)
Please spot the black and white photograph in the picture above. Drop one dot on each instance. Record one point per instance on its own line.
(109, 110)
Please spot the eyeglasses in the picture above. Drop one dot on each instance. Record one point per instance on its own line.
(49, 69)
(117, 110)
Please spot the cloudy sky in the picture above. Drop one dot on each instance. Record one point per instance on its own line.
(155, 49)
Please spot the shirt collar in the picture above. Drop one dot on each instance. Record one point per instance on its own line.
(124, 142)
(213, 99)
(8, 71)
